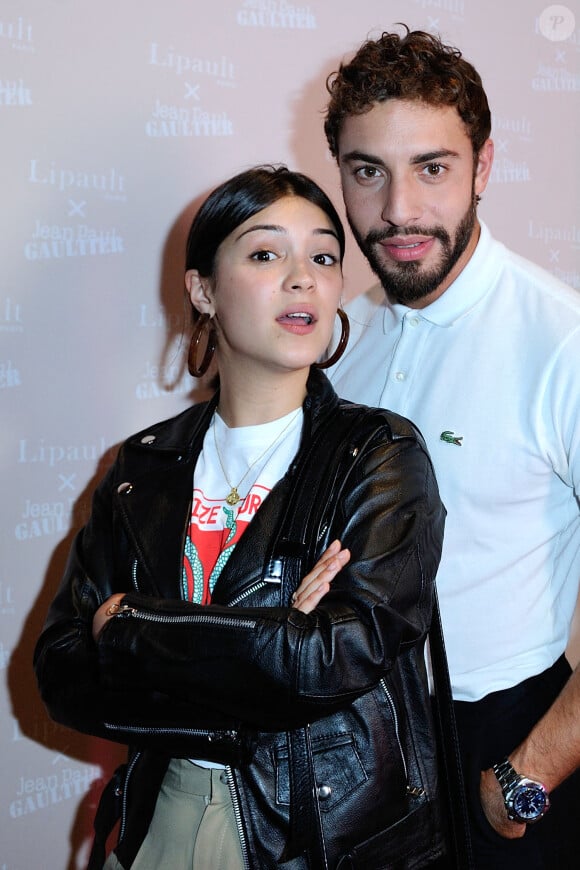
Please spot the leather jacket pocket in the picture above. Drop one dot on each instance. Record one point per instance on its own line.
(338, 770)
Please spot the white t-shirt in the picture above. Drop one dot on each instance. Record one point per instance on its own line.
(490, 373)
(254, 458)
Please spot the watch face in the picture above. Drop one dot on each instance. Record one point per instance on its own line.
(529, 802)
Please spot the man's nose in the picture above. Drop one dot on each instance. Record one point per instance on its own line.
(402, 202)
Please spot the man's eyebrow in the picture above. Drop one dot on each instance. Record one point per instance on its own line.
(363, 157)
(427, 157)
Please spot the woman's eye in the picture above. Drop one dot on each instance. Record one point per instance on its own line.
(325, 259)
(263, 256)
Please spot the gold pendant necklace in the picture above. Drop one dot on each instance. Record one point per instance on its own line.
(233, 497)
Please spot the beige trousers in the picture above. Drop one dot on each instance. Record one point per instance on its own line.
(193, 826)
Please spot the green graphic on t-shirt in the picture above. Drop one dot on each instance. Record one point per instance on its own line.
(193, 566)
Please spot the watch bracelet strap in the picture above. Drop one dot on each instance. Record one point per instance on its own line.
(506, 775)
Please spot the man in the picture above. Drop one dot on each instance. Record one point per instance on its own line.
(481, 349)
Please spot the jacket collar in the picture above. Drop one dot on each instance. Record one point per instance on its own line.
(181, 434)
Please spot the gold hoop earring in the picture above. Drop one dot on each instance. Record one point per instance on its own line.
(194, 369)
(344, 335)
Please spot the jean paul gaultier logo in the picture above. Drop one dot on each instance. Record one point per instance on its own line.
(189, 118)
(169, 120)
(555, 79)
(76, 238)
(41, 518)
(42, 792)
(53, 242)
(279, 14)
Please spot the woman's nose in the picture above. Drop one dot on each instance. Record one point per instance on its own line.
(300, 277)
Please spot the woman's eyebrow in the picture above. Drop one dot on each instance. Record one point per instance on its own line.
(276, 228)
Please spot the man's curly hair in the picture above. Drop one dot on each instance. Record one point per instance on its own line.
(416, 66)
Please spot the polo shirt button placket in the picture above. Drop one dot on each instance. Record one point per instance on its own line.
(410, 322)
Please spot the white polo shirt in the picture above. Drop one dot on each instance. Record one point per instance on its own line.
(490, 373)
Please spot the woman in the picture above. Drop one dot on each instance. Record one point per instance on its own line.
(273, 719)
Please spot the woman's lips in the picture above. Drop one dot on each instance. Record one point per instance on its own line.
(299, 321)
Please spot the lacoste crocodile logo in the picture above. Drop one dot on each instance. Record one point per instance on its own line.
(451, 438)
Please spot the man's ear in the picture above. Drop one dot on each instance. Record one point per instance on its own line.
(483, 166)
(200, 292)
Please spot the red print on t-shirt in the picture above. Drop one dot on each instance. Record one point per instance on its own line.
(214, 530)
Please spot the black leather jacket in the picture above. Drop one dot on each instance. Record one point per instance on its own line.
(323, 719)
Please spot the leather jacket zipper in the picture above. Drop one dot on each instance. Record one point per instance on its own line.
(259, 584)
(238, 816)
(123, 825)
(391, 703)
(253, 588)
(190, 732)
(126, 611)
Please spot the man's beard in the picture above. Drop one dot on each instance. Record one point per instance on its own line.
(406, 282)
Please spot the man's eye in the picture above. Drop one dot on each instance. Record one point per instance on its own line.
(433, 170)
(367, 172)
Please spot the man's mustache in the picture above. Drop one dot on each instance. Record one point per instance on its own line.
(374, 236)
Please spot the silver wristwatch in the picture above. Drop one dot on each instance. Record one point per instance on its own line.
(526, 800)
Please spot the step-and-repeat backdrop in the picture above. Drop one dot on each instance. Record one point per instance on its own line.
(116, 119)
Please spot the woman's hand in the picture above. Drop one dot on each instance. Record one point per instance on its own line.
(317, 582)
(105, 612)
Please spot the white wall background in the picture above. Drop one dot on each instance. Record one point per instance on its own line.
(116, 118)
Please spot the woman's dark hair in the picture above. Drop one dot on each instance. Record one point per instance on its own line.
(240, 198)
(416, 66)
